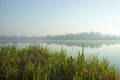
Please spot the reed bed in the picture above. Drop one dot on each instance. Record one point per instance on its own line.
(39, 63)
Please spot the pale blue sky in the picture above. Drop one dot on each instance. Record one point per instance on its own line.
(55, 17)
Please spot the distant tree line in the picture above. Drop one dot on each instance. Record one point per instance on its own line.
(78, 36)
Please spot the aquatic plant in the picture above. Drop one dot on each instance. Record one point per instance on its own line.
(39, 63)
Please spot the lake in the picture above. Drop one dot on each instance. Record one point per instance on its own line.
(109, 49)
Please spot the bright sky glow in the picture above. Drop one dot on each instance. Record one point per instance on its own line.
(55, 17)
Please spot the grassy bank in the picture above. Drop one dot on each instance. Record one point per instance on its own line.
(38, 63)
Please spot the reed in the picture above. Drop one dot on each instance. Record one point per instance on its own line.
(39, 63)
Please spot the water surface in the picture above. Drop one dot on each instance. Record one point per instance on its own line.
(109, 49)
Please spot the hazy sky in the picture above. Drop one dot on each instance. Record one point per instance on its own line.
(54, 17)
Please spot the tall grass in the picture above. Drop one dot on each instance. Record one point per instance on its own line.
(38, 63)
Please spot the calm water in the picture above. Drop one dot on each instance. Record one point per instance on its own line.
(104, 48)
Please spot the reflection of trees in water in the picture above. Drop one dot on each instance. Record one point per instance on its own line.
(86, 43)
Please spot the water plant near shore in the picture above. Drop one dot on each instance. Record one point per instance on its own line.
(39, 63)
